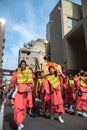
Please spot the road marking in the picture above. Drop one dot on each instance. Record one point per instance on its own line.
(1, 115)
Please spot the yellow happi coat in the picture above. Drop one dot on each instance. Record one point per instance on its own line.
(21, 78)
(71, 82)
(81, 103)
(24, 77)
(83, 82)
(55, 102)
(54, 81)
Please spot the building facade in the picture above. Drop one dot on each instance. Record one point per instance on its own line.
(34, 55)
(2, 39)
(68, 33)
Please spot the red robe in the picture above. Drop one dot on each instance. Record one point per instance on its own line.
(81, 102)
(30, 96)
(54, 99)
(30, 102)
(20, 101)
(40, 89)
(68, 93)
(75, 87)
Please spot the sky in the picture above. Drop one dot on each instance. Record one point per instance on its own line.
(25, 21)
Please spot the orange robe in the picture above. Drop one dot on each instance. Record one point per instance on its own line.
(63, 81)
(40, 89)
(69, 93)
(54, 98)
(75, 87)
(81, 103)
(30, 96)
(30, 102)
(20, 101)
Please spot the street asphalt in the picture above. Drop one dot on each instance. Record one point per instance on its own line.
(72, 122)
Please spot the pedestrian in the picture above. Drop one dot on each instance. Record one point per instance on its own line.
(75, 87)
(81, 102)
(22, 80)
(30, 96)
(68, 100)
(40, 92)
(52, 88)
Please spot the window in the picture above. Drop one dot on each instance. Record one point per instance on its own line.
(72, 22)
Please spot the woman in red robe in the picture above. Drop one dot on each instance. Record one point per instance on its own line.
(81, 102)
(75, 87)
(40, 92)
(23, 82)
(30, 96)
(68, 100)
(52, 88)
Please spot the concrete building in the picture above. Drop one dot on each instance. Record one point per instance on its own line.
(68, 31)
(34, 55)
(2, 39)
(48, 31)
(23, 55)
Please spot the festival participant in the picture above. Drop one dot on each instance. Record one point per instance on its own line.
(68, 100)
(21, 78)
(63, 81)
(81, 103)
(52, 88)
(40, 92)
(75, 87)
(30, 96)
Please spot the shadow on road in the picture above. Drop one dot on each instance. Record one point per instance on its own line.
(9, 118)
